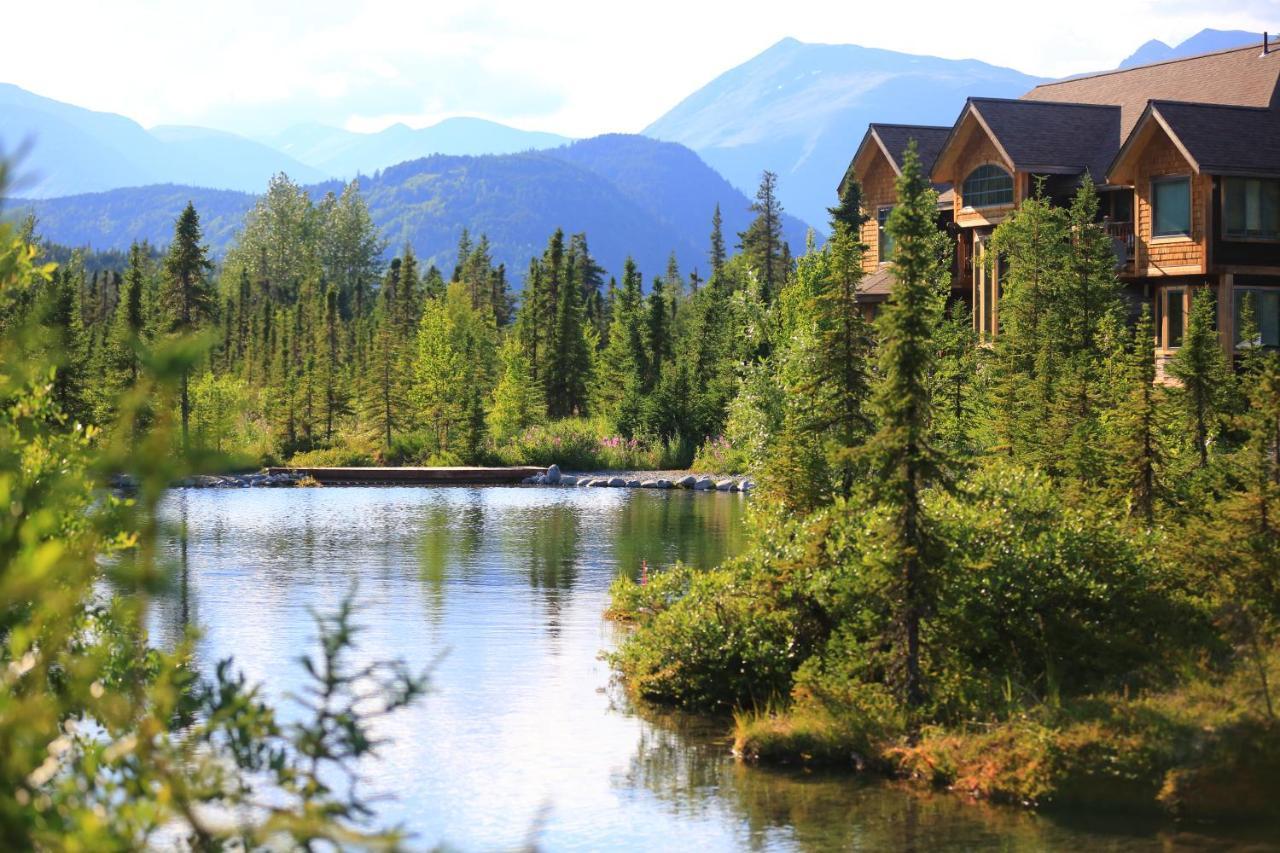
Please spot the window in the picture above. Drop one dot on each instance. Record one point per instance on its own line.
(1171, 207)
(1174, 322)
(1251, 208)
(987, 186)
(885, 238)
(1266, 316)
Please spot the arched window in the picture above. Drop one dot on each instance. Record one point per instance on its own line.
(987, 186)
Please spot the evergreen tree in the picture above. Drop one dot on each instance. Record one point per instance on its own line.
(622, 364)
(127, 327)
(718, 255)
(188, 298)
(657, 333)
(902, 459)
(569, 367)
(1137, 455)
(848, 214)
(331, 363)
(762, 242)
(1201, 367)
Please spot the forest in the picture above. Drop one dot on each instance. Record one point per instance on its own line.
(321, 354)
(1029, 569)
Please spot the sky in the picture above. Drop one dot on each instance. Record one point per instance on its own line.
(576, 67)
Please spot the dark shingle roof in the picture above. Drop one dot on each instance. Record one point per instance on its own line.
(1242, 76)
(1053, 138)
(929, 140)
(1225, 139)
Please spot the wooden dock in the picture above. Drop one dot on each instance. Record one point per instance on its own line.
(366, 476)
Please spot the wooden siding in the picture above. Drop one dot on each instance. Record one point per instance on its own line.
(1157, 256)
(878, 190)
(979, 150)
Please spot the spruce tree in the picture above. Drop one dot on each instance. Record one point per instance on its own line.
(903, 461)
(762, 242)
(717, 243)
(1137, 455)
(1201, 367)
(621, 365)
(848, 214)
(126, 333)
(187, 297)
(657, 333)
(569, 369)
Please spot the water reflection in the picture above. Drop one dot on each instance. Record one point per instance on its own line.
(525, 727)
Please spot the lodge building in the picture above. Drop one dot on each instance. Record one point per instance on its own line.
(1185, 155)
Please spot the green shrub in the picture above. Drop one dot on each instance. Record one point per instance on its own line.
(1050, 600)
(719, 646)
(631, 601)
(718, 456)
(583, 444)
(342, 455)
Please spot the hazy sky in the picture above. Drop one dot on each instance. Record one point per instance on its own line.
(576, 67)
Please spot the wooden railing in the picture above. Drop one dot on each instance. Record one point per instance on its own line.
(1121, 234)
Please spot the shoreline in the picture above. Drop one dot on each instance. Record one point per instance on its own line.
(664, 479)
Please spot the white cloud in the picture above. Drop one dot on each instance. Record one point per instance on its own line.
(574, 67)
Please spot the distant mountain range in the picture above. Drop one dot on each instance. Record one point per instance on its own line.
(630, 194)
(796, 109)
(800, 110)
(73, 150)
(344, 154)
(1205, 41)
(69, 150)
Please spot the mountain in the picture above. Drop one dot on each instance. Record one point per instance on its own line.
(673, 185)
(630, 194)
(69, 149)
(1205, 41)
(800, 110)
(344, 154)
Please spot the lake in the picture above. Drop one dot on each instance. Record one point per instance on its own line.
(525, 734)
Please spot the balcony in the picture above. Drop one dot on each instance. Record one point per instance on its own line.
(1121, 234)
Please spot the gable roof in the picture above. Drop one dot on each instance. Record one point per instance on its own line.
(894, 138)
(891, 140)
(1243, 76)
(1215, 138)
(1046, 137)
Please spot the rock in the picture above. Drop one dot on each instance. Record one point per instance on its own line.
(685, 482)
(552, 477)
(725, 486)
(528, 481)
(662, 484)
(600, 483)
(123, 481)
(617, 482)
(649, 484)
(704, 484)
(539, 479)
(633, 484)
(568, 480)
(747, 485)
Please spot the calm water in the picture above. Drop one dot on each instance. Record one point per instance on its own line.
(524, 733)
